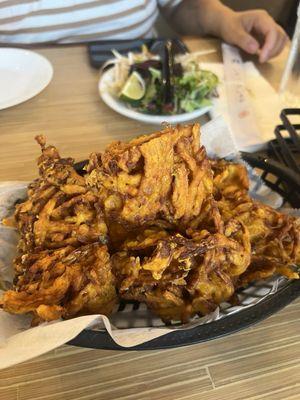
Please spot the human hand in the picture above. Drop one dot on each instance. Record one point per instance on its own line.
(255, 32)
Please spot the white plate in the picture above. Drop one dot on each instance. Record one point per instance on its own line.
(120, 107)
(23, 74)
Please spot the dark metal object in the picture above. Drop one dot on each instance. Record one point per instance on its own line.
(100, 52)
(277, 177)
(167, 72)
(164, 48)
(280, 162)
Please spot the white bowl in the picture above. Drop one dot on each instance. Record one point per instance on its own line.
(120, 107)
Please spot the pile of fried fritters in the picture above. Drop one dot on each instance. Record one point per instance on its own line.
(153, 220)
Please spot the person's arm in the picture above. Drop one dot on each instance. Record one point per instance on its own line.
(211, 17)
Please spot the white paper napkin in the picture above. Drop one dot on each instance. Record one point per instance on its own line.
(265, 103)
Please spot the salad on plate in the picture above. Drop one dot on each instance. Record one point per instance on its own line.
(138, 81)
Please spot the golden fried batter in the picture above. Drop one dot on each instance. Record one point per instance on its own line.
(56, 275)
(274, 237)
(63, 283)
(60, 210)
(179, 277)
(163, 176)
(182, 232)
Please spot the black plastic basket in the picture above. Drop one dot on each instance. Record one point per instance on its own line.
(279, 167)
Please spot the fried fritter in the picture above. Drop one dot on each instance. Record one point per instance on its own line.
(163, 176)
(60, 210)
(230, 227)
(157, 277)
(274, 236)
(63, 283)
(182, 232)
(179, 277)
(56, 275)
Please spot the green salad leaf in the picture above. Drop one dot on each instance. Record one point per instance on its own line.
(193, 89)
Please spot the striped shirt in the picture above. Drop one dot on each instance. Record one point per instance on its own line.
(67, 21)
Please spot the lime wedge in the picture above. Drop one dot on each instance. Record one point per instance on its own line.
(134, 88)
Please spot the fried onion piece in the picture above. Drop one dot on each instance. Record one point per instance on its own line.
(274, 236)
(163, 176)
(230, 179)
(60, 210)
(178, 277)
(63, 283)
(182, 230)
(226, 257)
(146, 238)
